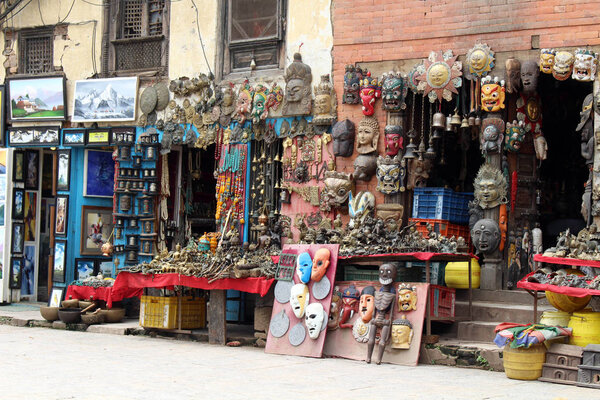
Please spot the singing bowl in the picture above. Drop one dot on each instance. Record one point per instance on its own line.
(69, 315)
(49, 313)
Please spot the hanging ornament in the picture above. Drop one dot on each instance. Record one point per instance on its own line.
(442, 76)
(480, 60)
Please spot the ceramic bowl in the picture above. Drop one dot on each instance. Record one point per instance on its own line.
(69, 315)
(113, 315)
(49, 313)
(72, 303)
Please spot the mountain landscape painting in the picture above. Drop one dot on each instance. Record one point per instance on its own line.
(105, 100)
(37, 99)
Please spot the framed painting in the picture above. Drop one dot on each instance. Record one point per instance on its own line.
(64, 170)
(47, 136)
(60, 253)
(97, 137)
(30, 215)
(2, 115)
(99, 100)
(28, 270)
(62, 213)
(18, 205)
(16, 267)
(98, 174)
(73, 137)
(105, 267)
(37, 99)
(18, 236)
(56, 297)
(85, 267)
(32, 176)
(96, 227)
(19, 166)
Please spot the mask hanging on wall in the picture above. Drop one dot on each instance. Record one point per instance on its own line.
(314, 319)
(299, 298)
(304, 267)
(352, 79)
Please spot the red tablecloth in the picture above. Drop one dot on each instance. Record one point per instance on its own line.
(570, 291)
(422, 256)
(102, 293)
(567, 261)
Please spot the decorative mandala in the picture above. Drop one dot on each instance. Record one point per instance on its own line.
(480, 60)
(442, 76)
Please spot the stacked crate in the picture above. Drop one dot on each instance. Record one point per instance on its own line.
(589, 369)
(561, 364)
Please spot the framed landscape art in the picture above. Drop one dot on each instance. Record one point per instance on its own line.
(60, 253)
(73, 137)
(64, 170)
(37, 99)
(30, 136)
(98, 100)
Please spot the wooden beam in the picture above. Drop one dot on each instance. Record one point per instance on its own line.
(217, 325)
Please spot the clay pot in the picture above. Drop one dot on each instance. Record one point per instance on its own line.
(71, 303)
(49, 313)
(69, 315)
(113, 315)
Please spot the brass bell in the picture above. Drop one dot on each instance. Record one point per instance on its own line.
(410, 151)
(465, 123)
(439, 120)
(449, 126)
(477, 121)
(471, 121)
(455, 119)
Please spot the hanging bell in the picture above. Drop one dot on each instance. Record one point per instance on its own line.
(478, 121)
(430, 153)
(437, 134)
(455, 119)
(449, 126)
(277, 159)
(471, 121)
(439, 120)
(465, 123)
(410, 152)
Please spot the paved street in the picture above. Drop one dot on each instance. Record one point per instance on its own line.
(41, 363)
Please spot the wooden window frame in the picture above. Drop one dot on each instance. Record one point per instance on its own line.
(47, 32)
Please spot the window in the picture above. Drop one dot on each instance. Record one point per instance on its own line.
(139, 35)
(254, 32)
(36, 51)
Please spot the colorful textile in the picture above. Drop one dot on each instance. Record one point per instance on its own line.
(519, 335)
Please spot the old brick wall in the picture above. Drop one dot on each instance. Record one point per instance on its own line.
(385, 32)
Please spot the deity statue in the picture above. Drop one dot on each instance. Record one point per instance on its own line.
(393, 91)
(298, 77)
(343, 138)
(486, 235)
(352, 79)
(368, 135)
(325, 102)
(384, 305)
(490, 187)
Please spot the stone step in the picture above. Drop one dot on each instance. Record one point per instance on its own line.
(478, 331)
(500, 312)
(500, 296)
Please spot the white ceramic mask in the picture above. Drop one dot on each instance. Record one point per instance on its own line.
(315, 315)
(299, 298)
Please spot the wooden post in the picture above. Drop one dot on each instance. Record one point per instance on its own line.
(217, 324)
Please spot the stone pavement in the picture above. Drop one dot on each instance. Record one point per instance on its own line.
(61, 364)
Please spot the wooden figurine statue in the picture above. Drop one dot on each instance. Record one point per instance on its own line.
(384, 304)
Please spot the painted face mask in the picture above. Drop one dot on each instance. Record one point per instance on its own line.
(368, 135)
(299, 298)
(492, 94)
(515, 134)
(314, 317)
(259, 104)
(547, 60)
(367, 303)
(390, 175)
(244, 102)
(350, 297)
(529, 76)
(393, 91)
(352, 79)
(320, 264)
(585, 64)
(402, 333)
(304, 267)
(563, 65)
(335, 311)
(275, 97)
(387, 274)
(393, 140)
(370, 90)
(407, 297)
(480, 60)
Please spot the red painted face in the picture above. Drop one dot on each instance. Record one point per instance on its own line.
(368, 95)
(320, 264)
(393, 143)
(366, 307)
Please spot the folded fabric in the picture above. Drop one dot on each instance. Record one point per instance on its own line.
(525, 336)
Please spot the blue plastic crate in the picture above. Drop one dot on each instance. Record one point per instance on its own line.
(441, 203)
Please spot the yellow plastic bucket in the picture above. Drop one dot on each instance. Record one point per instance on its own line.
(457, 275)
(567, 303)
(586, 328)
(555, 318)
(524, 364)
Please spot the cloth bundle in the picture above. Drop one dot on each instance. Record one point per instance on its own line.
(519, 335)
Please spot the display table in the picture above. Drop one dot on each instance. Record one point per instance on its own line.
(420, 256)
(101, 293)
(533, 288)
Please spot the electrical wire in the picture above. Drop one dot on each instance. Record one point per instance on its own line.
(93, 4)
(67, 16)
(40, 11)
(14, 14)
(200, 37)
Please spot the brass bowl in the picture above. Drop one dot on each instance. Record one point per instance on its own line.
(49, 313)
(113, 315)
(84, 304)
(69, 315)
(93, 318)
(72, 303)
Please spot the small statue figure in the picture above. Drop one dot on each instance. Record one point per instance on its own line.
(298, 77)
(325, 102)
(384, 304)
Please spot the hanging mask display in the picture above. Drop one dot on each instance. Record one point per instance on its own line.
(343, 138)
(337, 189)
(368, 135)
(563, 65)
(275, 97)
(411, 79)
(442, 76)
(513, 75)
(298, 78)
(480, 60)
(324, 112)
(515, 134)
(335, 311)
(320, 264)
(359, 207)
(547, 60)
(394, 141)
(490, 187)
(529, 77)
(390, 175)
(370, 90)
(350, 297)
(314, 319)
(393, 91)
(304, 267)
(391, 214)
(299, 298)
(364, 167)
(402, 333)
(407, 297)
(244, 102)
(492, 94)
(367, 303)
(492, 135)
(418, 173)
(529, 111)
(486, 236)
(585, 65)
(352, 79)
(259, 104)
